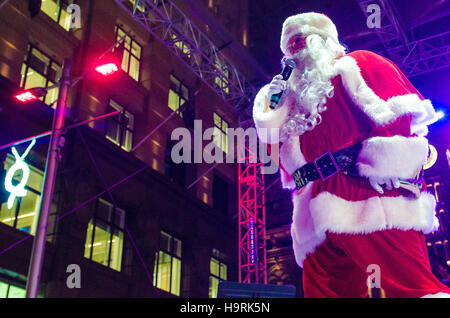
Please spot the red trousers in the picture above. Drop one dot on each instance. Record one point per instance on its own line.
(340, 266)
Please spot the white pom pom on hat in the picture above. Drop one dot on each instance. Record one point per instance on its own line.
(306, 24)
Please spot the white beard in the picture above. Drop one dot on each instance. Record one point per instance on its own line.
(309, 86)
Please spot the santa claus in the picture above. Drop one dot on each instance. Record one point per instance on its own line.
(351, 133)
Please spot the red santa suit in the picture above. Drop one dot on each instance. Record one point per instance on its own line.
(342, 225)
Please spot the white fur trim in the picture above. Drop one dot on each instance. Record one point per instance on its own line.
(287, 181)
(268, 123)
(312, 218)
(437, 295)
(305, 238)
(384, 112)
(332, 213)
(307, 24)
(291, 158)
(396, 156)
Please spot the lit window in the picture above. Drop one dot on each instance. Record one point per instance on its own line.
(22, 214)
(104, 236)
(167, 270)
(218, 272)
(220, 132)
(178, 95)
(11, 291)
(222, 81)
(57, 10)
(119, 128)
(140, 6)
(39, 70)
(182, 46)
(131, 61)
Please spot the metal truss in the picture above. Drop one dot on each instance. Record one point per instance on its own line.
(252, 219)
(413, 57)
(390, 32)
(166, 22)
(427, 55)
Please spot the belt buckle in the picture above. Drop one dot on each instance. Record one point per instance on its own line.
(329, 160)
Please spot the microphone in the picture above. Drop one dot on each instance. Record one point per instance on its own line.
(289, 65)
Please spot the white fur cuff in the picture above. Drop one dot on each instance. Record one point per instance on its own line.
(388, 157)
(268, 123)
(438, 295)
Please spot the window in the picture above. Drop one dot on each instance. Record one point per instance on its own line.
(178, 95)
(104, 236)
(220, 132)
(11, 291)
(167, 270)
(57, 10)
(141, 8)
(22, 214)
(222, 80)
(218, 272)
(119, 128)
(182, 46)
(131, 61)
(220, 194)
(39, 70)
(174, 171)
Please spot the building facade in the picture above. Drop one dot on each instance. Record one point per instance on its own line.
(132, 221)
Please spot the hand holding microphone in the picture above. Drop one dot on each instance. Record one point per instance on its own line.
(278, 83)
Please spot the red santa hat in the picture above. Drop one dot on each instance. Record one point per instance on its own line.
(307, 24)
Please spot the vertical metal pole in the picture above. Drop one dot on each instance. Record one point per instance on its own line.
(51, 167)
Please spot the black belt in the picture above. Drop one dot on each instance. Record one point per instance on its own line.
(327, 165)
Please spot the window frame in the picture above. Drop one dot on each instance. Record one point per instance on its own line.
(121, 122)
(10, 283)
(216, 255)
(223, 82)
(26, 63)
(60, 8)
(112, 229)
(223, 133)
(172, 254)
(178, 91)
(130, 52)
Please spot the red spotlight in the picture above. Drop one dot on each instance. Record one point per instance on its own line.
(30, 95)
(107, 69)
(110, 63)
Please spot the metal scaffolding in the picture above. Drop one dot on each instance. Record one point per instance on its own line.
(413, 57)
(252, 219)
(166, 22)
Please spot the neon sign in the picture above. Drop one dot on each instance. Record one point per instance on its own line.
(18, 190)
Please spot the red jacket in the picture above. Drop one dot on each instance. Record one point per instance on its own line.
(373, 103)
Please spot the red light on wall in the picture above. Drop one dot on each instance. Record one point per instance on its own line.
(107, 69)
(26, 96)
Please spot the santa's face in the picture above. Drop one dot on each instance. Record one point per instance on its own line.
(295, 44)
